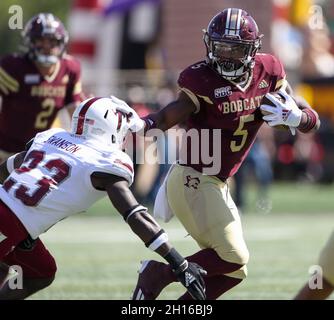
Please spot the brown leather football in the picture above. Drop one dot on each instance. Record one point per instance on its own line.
(265, 100)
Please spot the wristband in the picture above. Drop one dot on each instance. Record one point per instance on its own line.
(160, 238)
(311, 122)
(149, 123)
(132, 211)
(177, 262)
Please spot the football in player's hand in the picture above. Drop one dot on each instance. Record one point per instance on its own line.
(265, 100)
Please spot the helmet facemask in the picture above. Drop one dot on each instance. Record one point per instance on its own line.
(45, 39)
(231, 58)
(47, 59)
(232, 41)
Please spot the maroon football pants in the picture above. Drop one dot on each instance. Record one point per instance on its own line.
(35, 260)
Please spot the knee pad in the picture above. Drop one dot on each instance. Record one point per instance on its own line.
(239, 255)
(239, 274)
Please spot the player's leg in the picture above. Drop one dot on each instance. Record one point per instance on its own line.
(306, 293)
(215, 287)
(326, 262)
(205, 208)
(11, 233)
(216, 224)
(4, 269)
(17, 249)
(38, 269)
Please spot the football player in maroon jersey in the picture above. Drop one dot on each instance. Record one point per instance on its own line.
(222, 96)
(35, 85)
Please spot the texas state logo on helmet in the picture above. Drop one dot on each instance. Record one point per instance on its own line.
(40, 26)
(99, 120)
(232, 40)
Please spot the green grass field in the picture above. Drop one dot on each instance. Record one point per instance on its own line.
(98, 256)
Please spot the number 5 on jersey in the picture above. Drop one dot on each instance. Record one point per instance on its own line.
(241, 132)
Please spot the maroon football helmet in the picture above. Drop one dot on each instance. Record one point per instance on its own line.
(45, 25)
(232, 40)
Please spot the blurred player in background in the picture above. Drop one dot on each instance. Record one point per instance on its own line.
(62, 173)
(222, 92)
(326, 262)
(35, 85)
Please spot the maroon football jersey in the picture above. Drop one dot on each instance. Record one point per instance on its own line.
(30, 102)
(223, 105)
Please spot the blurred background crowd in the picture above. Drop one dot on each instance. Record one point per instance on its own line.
(134, 49)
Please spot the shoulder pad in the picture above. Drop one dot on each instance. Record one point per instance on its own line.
(192, 78)
(271, 64)
(72, 63)
(119, 164)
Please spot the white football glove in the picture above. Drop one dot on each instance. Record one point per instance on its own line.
(284, 113)
(135, 123)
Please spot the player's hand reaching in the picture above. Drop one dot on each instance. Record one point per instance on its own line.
(190, 275)
(134, 122)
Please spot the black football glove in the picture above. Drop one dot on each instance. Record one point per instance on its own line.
(190, 275)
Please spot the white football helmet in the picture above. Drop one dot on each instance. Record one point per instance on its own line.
(98, 119)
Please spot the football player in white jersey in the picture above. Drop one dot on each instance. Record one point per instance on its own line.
(62, 173)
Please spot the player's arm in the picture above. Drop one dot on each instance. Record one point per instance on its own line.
(293, 112)
(175, 112)
(74, 93)
(13, 162)
(9, 83)
(310, 120)
(149, 231)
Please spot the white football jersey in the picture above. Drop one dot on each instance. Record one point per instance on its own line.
(54, 180)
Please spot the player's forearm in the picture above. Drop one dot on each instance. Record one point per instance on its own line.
(174, 113)
(310, 121)
(163, 119)
(149, 231)
(155, 238)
